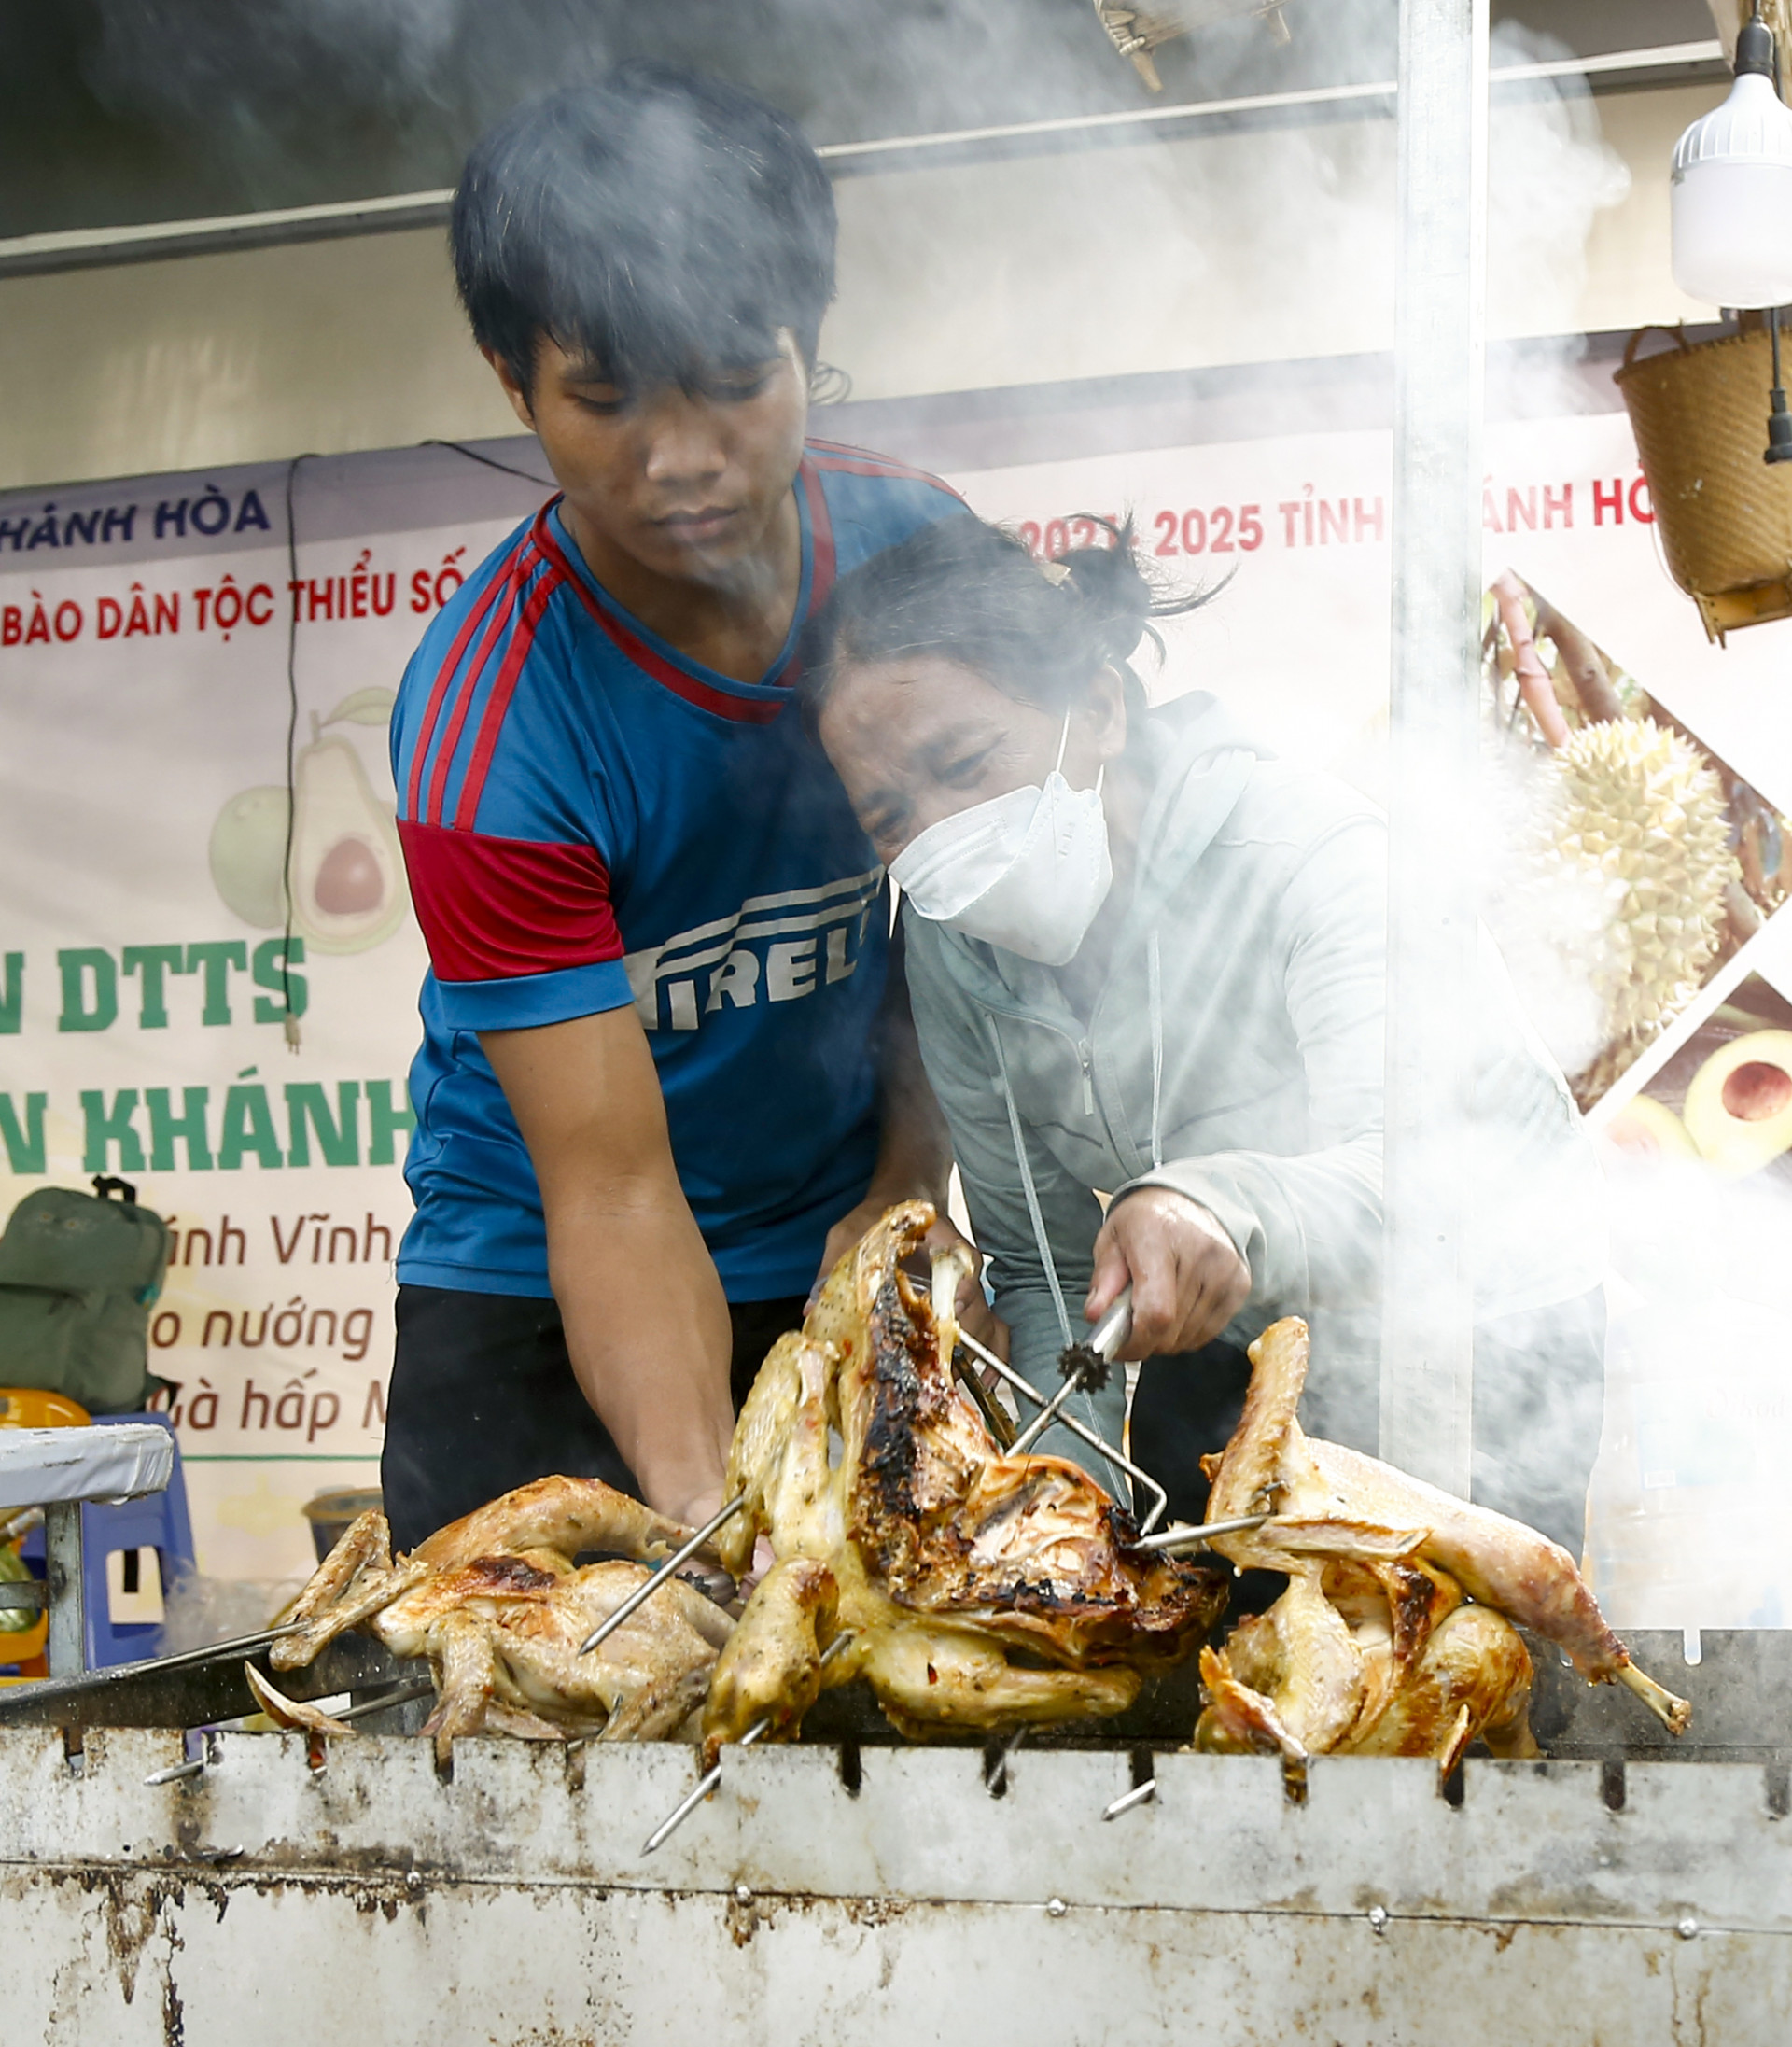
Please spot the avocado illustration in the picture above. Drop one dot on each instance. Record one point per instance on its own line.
(1739, 1103)
(248, 845)
(1650, 1127)
(348, 871)
(348, 890)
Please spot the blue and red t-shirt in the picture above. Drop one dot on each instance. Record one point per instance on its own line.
(590, 820)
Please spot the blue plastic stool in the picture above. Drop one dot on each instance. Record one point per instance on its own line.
(158, 1521)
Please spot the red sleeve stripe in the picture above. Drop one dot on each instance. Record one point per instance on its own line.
(821, 536)
(464, 690)
(842, 466)
(496, 909)
(474, 785)
(445, 674)
(837, 454)
(743, 709)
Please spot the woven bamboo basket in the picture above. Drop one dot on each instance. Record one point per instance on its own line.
(1699, 410)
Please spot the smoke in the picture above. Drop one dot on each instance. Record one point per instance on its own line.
(1689, 1521)
(1239, 245)
(277, 96)
(1265, 245)
(1550, 176)
(282, 93)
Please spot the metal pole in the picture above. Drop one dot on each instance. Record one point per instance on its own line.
(1439, 333)
(66, 1648)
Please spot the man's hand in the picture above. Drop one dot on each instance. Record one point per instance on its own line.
(976, 1318)
(1188, 1280)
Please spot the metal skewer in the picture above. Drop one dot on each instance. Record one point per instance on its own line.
(1140, 1794)
(1081, 1360)
(995, 1766)
(648, 1586)
(1183, 1536)
(97, 1683)
(413, 1687)
(242, 1645)
(711, 1778)
(994, 1418)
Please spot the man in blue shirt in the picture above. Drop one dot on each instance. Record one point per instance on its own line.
(666, 1070)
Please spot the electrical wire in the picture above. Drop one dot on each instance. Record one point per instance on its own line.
(473, 454)
(292, 743)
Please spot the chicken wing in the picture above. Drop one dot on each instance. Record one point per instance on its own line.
(1389, 1564)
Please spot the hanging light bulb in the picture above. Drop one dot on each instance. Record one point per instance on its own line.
(1732, 195)
(1731, 206)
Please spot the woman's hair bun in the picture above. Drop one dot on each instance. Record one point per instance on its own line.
(1111, 584)
(969, 592)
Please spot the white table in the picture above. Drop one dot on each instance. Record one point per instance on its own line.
(57, 1469)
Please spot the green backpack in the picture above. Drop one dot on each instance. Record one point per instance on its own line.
(77, 1276)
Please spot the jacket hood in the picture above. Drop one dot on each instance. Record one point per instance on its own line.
(1204, 763)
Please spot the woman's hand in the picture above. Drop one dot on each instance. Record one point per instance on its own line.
(1188, 1280)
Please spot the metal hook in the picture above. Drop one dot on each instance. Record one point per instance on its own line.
(1171, 1541)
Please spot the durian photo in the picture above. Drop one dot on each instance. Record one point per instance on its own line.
(1626, 861)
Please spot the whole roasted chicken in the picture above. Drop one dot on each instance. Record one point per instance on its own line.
(1395, 1635)
(972, 1589)
(497, 1605)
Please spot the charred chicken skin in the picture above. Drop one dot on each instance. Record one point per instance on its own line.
(497, 1604)
(896, 1520)
(1396, 1635)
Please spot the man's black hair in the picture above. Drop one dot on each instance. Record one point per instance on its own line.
(657, 224)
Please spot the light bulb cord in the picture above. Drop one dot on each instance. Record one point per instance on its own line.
(1779, 421)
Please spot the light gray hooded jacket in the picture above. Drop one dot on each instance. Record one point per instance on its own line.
(1235, 1054)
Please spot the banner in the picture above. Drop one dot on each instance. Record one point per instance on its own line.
(158, 638)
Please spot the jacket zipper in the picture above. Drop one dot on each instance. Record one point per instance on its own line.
(1084, 1047)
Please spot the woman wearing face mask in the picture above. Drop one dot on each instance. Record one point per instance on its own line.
(1147, 963)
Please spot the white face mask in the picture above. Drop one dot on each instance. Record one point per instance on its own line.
(1027, 871)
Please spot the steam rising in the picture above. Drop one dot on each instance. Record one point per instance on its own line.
(277, 87)
(1551, 174)
(1689, 1523)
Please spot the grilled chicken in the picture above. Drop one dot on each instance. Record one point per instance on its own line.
(977, 1590)
(1375, 1648)
(497, 1604)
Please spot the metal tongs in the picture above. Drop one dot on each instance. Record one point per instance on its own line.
(1084, 1365)
(1087, 1364)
